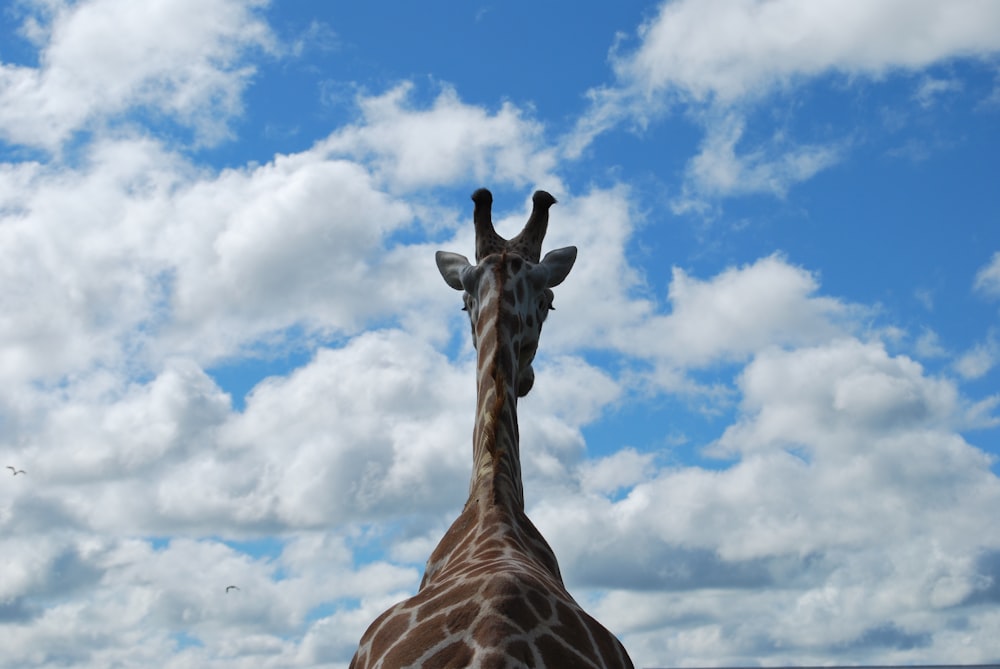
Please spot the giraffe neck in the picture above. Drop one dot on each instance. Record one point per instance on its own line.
(496, 459)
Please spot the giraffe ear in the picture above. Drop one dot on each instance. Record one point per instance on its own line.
(452, 266)
(557, 265)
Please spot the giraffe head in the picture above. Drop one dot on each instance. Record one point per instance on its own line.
(509, 291)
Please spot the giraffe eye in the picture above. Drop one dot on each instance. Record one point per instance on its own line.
(546, 301)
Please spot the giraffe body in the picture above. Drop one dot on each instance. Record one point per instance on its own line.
(492, 595)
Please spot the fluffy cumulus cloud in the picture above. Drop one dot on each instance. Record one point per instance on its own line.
(741, 310)
(172, 258)
(360, 432)
(418, 148)
(137, 604)
(732, 49)
(278, 245)
(104, 58)
(850, 488)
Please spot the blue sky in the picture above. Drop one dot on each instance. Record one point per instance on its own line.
(765, 424)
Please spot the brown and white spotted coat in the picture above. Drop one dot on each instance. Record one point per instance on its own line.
(492, 595)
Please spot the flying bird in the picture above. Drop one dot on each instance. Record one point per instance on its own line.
(15, 472)
(231, 587)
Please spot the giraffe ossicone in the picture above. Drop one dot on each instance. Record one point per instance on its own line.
(492, 595)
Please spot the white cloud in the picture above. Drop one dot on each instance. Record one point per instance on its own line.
(622, 470)
(411, 148)
(76, 245)
(104, 58)
(979, 360)
(732, 49)
(356, 434)
(124, 603)
(928, 345)
(930, 89)
(719, 170)
(739, 311)
(988, 277)
(295, 241)
(570, 389)
(361, 431)
(91, 436)
(833, 391)
(136, 257)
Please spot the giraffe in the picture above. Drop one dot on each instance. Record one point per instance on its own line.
(492, 595)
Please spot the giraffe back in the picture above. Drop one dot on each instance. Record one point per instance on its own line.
(491, 598)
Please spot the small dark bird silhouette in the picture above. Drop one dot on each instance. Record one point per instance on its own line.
(15, 472)
(231, 587)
